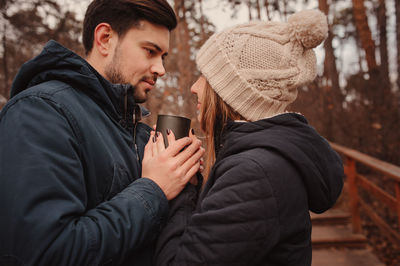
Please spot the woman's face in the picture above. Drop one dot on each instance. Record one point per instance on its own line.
(198, 89)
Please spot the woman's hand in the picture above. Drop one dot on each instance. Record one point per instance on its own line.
(171, 168)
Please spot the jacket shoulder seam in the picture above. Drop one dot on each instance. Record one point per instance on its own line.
(48, 98)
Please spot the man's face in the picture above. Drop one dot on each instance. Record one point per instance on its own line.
(138, 58)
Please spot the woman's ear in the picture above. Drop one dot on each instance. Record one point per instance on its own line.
(104, 39)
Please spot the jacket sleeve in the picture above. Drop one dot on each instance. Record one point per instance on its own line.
(45, 218)
(235, 221)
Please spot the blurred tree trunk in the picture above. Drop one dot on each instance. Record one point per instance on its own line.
(185, 66)
(384, 99)
(383, 48)
(390, 103)
(332, 96)
(397, 6)
(361, 22)
(284, 11)
(258, 9)
(266, 4)
(202, 23)
(249, 8)
(372, 91)
(330, 69)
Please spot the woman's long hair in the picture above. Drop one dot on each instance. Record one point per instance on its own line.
(214, 115)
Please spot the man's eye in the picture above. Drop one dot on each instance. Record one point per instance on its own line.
(150, 51)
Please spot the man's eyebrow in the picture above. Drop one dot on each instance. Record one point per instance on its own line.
(158, 48)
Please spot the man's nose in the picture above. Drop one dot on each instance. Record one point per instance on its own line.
(158, 68)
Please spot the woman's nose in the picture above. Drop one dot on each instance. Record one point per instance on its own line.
(193, 89)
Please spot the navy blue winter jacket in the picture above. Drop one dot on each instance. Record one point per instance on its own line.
(70, 168)
(254, 209)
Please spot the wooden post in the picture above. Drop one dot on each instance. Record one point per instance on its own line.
(398, 203)
(353, 194)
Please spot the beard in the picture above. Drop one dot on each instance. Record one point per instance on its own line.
(113, 70)
(114, 74)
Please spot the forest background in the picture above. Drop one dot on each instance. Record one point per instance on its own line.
(354, 101)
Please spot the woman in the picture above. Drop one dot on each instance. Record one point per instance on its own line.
(269, 167)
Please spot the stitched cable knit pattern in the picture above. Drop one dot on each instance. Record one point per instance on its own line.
(257, 67)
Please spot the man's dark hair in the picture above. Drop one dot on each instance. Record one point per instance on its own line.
(124, 14)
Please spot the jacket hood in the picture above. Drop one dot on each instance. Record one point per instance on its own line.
(289, 134)
(56, 62)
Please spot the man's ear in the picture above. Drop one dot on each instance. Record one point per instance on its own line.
(104, 37)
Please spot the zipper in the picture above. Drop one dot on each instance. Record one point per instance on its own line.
(134, 141)
(123, 121)
(135, 123)
(137, 116)
(125, 104)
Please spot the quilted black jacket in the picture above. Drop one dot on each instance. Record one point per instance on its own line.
(254, 209)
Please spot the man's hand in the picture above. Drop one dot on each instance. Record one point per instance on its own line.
(173, 167)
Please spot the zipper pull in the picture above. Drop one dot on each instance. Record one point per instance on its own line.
(137, 152)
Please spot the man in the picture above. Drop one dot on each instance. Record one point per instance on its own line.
(71, 145)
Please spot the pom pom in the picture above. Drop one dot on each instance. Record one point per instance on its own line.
(309, 27)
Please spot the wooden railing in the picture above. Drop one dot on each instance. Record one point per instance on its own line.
(356, 180)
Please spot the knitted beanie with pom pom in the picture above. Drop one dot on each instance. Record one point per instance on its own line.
(257, 67)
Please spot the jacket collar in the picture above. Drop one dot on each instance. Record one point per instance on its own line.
(56, 62)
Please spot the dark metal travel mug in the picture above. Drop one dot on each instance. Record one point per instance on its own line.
(178, 124)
